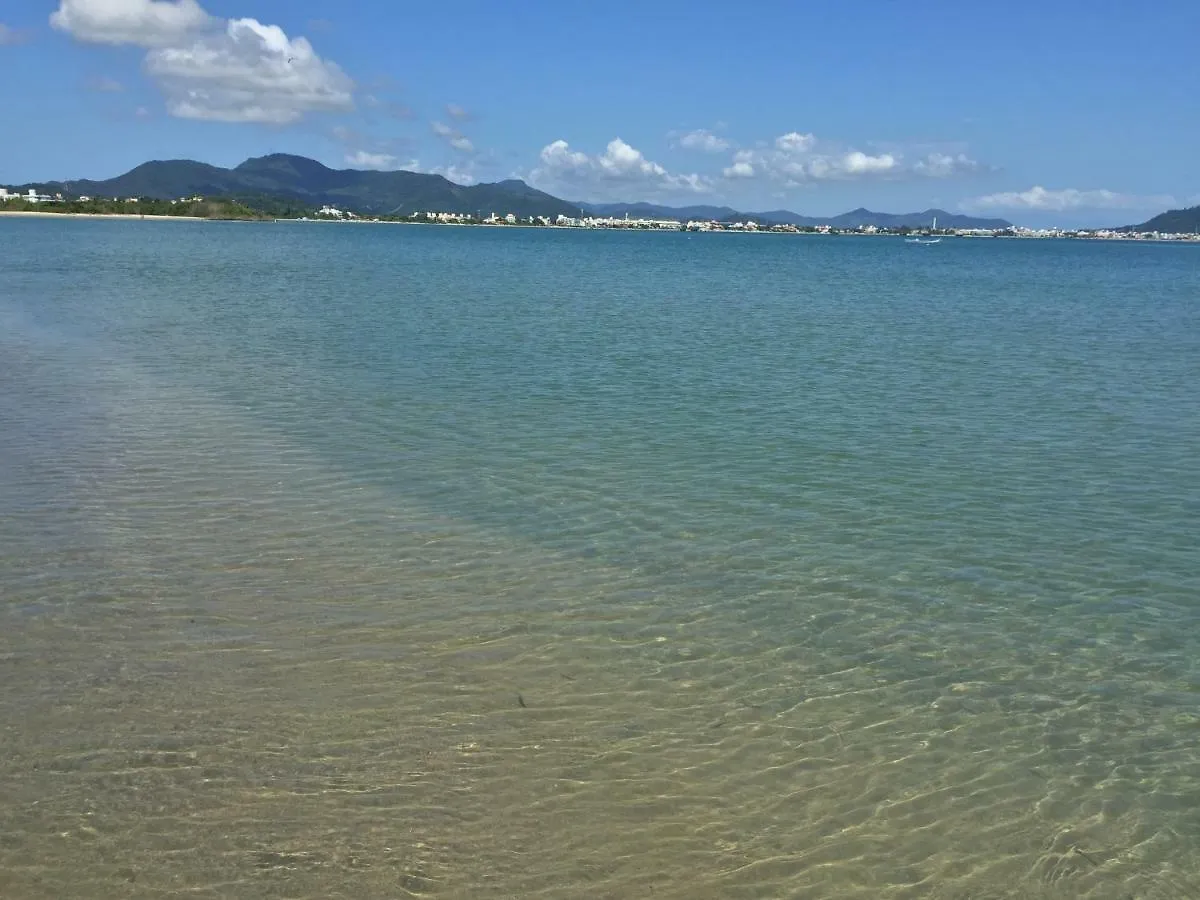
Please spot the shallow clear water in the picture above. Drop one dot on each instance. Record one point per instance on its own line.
(386, 561)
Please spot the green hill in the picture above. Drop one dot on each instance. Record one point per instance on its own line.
(1175, 221)
(306, 182)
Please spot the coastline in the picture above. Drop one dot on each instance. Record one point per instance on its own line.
(72, 215)
(365, 221)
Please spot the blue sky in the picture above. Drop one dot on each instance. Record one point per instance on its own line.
(1062, 112)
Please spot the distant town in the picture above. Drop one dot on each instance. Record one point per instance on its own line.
(751, 226)
(198, 207)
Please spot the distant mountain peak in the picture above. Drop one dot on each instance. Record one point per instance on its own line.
(281, 157)
(282, 161)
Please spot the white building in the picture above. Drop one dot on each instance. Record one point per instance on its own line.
(32, 196)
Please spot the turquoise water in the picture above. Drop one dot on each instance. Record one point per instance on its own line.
(388, 561)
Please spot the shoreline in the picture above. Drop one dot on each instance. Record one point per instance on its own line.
(73, 215)
(37, 214)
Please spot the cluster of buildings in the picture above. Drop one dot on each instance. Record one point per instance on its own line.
(30, 196)
(577, 222)
(750, 226)
(1102, 234)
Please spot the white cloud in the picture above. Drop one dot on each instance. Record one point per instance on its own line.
(249, 72)
(559, 156)
(147, 23)
(235, 70)
(703, 140)
(799, 158)
(453, 137)
(457, 174)
(387, 162)
(619, 167)
(739, 169)
(1041, 199)
(378, 161)
(859, 163)
(946, 165)
(621, 160)
(794, 142)
(454, 111)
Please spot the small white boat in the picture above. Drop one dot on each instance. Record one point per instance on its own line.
(933, 230)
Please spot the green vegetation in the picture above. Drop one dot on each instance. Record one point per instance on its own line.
(1175, 221)
(199, 209)
(304, 185)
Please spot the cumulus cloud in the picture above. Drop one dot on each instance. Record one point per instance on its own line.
(388, 162)
(235, 70)
(620, 160)
(704, 140)
(858, 163)
(1041, 199)
(457, 174)
(741, 168)
(454, 111)
(250, 72)
(620, 166)
(798, 158)
(147, 23)
(453, 137)
(946, 165)
(464, 174)
(794, 142)
(361, 159)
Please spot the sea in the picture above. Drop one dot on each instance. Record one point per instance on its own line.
(357, 561)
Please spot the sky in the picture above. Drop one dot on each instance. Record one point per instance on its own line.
(1061, 113)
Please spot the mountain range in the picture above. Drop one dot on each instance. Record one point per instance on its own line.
(853, 219)
(307, 183)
